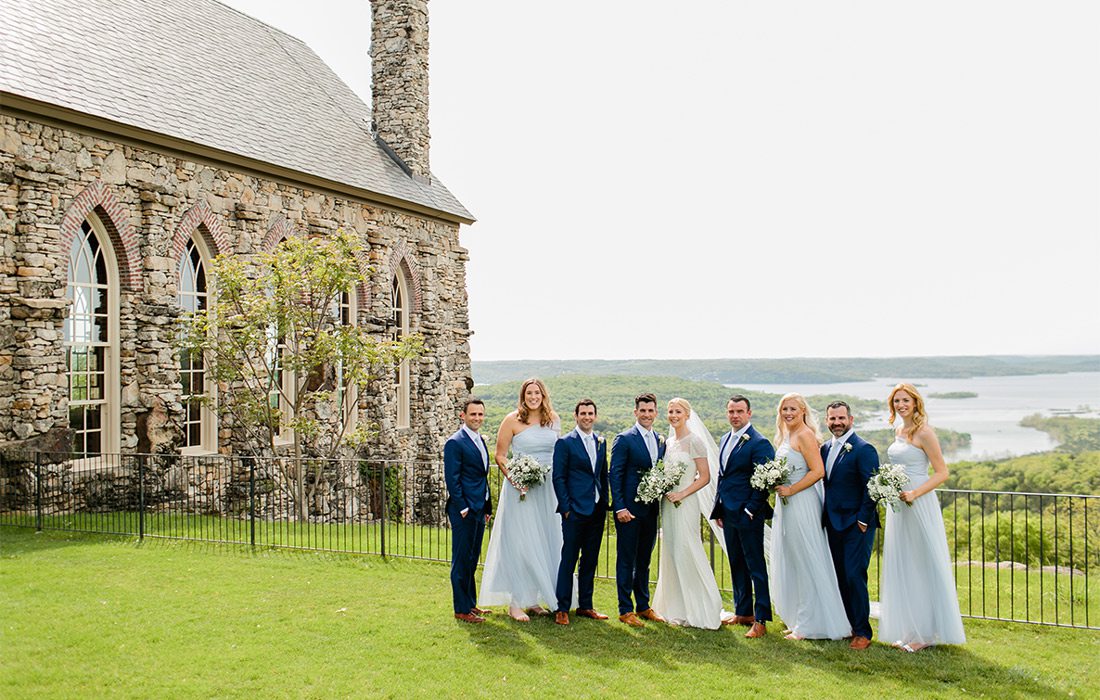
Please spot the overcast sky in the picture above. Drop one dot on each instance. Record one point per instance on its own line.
(761, 179)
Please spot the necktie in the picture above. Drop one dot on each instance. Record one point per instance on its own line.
(830, 460)
(651, 443)
(590, 446)
(726, 452)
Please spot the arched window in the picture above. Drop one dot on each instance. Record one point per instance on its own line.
(401, 307)
(282, 389)
(199, 427)
(347, 395)
(91, 341)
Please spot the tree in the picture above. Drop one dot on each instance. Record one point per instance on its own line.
(278, 341)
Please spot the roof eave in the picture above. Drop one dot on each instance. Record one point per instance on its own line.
(28, 108)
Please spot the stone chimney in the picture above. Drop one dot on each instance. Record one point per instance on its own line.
(399, 80)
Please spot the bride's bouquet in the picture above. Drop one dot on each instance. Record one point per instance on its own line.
(662, 478)
(887, 484)
(768, 475)
(524, 472)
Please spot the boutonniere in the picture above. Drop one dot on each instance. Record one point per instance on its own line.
(660, 439)
(600, 439)
(744, 437)
(847, 447)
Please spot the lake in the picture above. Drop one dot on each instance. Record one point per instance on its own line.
(992, 418)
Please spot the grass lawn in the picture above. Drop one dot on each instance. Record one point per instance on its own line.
(90, 616)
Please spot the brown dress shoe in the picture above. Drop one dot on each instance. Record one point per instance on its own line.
(745, 620)
(469, 617)
(651, 614)
(561, 617)
(479, 612)
(859, 643)
(631, 619)
(756, 631)
(590, 613)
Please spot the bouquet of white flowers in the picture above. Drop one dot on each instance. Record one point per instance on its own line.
(662, 478)
(768, 475)
(524, 472)
(887, 484)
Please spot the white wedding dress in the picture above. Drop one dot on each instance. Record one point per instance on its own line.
(521, 564)
(686, 592)
(803, 582)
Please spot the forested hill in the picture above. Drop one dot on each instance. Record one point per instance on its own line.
(799, 370)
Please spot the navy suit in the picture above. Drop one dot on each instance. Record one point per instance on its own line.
(581, 490)
(744, 535)
(467, 475)
(634, 540)
(847, 504)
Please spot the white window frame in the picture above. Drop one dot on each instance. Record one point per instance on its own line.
(111, 414)
(208, 420)
(400, 316)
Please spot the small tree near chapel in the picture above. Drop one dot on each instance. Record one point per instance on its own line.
(288, 359)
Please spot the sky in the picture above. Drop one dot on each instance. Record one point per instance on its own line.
(791, 178)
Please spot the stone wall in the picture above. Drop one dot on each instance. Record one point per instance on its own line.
(150, 202)
(399, 79)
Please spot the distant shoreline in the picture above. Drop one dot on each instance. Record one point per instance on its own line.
(801, 370)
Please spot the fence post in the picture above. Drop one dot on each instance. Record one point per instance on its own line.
(252, 500)
(141, 497)
(38, 491)
(383, 511)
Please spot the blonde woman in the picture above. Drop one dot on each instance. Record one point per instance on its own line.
(920, 606)
(521, 565)
(803, 582)
(686, 592)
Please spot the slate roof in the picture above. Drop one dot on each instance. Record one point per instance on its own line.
(203, 72)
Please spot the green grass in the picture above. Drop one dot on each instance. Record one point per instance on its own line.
(983, 592)
(89, 616)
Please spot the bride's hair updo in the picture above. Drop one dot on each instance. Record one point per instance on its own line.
(548, 417)
(809, 418)
(682, 403)
(919, 416)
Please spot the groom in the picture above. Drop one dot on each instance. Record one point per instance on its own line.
(466, 471)
(580, 484)
(849, 515)
(740, 510)
(635, 452)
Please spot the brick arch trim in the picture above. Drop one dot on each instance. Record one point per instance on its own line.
(200, 218)
(97, 198)
(279, 229)
(401, 256)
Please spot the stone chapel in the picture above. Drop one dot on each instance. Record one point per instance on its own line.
(138, 140)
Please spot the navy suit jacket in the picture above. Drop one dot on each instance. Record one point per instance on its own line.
(575, 482)
(846, 498)
(467, 476)
(629, 460)
(734, 491)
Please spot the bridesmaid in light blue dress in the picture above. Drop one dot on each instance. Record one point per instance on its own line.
(803, 582)
(521, 564)
(920, 606)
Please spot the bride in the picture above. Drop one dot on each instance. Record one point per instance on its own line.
(686, 592)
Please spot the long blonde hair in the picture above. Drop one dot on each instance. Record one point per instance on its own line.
(920, 417)
(809, 418)
(548, 417)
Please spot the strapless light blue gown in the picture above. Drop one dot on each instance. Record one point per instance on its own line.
(919, 602)
(521, 565)
(803, 582)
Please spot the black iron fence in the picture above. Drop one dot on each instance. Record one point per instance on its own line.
(1024, 557)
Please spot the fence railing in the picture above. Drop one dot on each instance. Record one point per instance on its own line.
(1024, 557)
